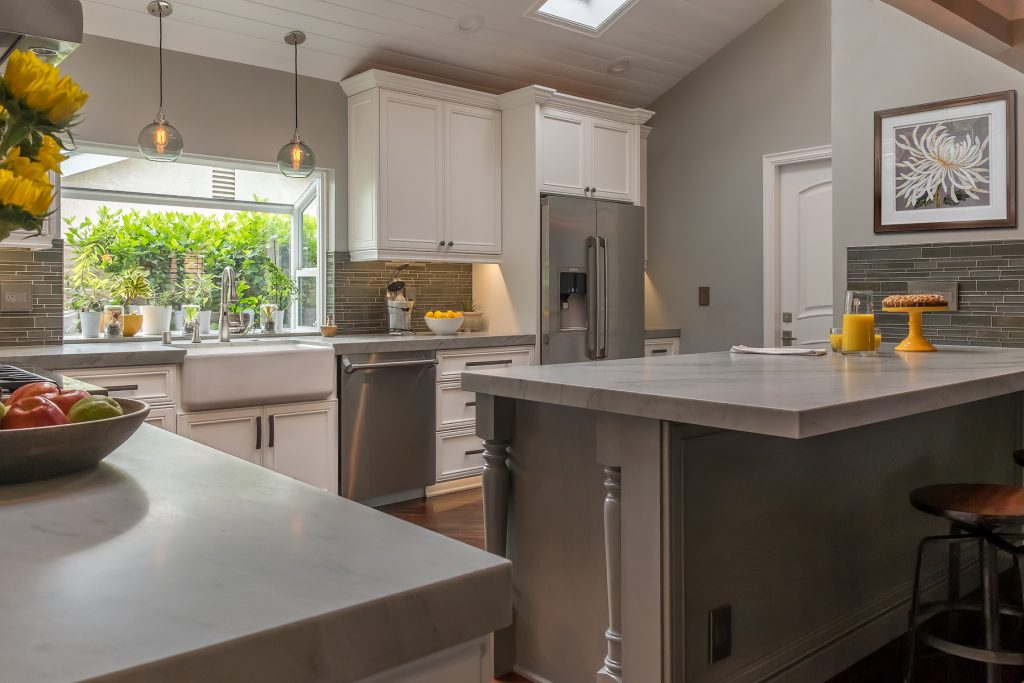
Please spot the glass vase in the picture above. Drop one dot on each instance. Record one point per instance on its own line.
(268, 319)
(113, 320)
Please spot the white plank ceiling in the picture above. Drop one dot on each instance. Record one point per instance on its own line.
(663, 40)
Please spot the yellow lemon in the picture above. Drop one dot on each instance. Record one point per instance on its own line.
(430, 314)
(458, 314)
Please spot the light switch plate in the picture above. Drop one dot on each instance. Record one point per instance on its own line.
(16, 297)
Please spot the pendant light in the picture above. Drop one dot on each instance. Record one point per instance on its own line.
(296, 159)
(160, 141)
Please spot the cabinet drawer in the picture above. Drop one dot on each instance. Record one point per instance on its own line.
(455, 407)
(451, 364)
(661, 347)
(459, 455)
(156, 384)
(164, 418)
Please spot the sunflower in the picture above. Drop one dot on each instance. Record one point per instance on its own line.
(24, 166)
(38, 86)
(49, 154)
(31, 196)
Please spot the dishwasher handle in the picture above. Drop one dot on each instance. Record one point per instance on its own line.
(351, 367)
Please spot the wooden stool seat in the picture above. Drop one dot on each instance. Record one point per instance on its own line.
(978, 505)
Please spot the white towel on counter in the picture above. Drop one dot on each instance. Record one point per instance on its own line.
(785, 351)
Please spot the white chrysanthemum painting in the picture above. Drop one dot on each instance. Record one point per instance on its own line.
(947, 165)
(942, 165)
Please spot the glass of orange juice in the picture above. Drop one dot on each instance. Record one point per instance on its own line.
(835, 337)
(858, 324)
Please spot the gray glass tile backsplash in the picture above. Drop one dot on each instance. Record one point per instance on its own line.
(44, 269)
(990, 277)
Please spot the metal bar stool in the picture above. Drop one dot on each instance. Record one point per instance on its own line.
(977, 513)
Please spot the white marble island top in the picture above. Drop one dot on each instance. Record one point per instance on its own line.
(790, 396)
(174, 562)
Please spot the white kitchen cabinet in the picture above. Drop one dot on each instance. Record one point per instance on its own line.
(564, 158)
(164, 418)
(588, 156)
(302, 442)
(298, 440)
(424, 171)
(645, 132)
(667, 346)
(238, 432)
(459, 454)
(473, 175)
(411, 169)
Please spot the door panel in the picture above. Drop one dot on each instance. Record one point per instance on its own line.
(412, 172)
(473, 213)
(302, 443)
(612, 160)
(622, 227)
(564, 162)
(566, 225)
(238, 432)
(805, 251)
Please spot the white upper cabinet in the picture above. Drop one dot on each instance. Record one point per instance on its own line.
(588, 156)
(564, 158)
(473, 173)
(424, 170)
(411, 170)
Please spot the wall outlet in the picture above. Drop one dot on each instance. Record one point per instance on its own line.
(16, 297)
(703, 296)
(719, 633)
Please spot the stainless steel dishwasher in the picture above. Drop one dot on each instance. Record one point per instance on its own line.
(387, 426)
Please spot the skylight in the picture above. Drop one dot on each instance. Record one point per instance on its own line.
(589, 16)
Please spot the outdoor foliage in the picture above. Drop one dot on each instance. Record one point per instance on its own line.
(158, 242)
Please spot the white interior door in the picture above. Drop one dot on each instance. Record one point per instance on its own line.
(804, 268)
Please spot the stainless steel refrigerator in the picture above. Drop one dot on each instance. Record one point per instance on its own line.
(592, 280)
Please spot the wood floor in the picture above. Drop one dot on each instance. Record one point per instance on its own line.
(460, 516)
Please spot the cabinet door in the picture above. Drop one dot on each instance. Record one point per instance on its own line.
(564, 157)
(238, 432)
(411, 167)
(459, 454)
(302, 442)
(473, 172)
(162, 418)
(613, 160)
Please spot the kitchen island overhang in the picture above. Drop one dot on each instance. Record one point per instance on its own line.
(728, 476)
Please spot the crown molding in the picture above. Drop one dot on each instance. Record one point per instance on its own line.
(540, 95)
(375, 78)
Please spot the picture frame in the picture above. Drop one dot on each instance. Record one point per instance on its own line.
(948, 165)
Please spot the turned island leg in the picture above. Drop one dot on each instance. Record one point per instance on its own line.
(611, 672)
(495, 424)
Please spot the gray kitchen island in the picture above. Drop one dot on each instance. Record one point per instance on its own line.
(173, 562)
(726, 517)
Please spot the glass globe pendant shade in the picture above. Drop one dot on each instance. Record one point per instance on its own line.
(160, 141)
(296, 159)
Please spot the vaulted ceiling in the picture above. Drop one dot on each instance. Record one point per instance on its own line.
(487, 44)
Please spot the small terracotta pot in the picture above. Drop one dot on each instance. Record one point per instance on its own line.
(328, 330)
(132, 324)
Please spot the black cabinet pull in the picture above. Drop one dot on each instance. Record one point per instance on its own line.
(478, 363)
(270, 442)
(470, 404)
(476, 452)
(657, 352)
(259, 433)
(124, 387)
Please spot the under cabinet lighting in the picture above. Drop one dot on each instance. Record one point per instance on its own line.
(589, 16)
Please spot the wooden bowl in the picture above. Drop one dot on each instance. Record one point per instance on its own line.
(46, 452)
(132, 324)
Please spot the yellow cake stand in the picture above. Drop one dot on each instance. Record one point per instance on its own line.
(915, 340)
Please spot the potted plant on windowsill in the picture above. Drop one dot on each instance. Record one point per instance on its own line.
(133, 288)
(474, 317)
(278, 295)
(87, 296)
(156, 316)
(196, 291)
(243, 312)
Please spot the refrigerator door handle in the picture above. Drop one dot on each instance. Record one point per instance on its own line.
(602, 302)
(593, 298)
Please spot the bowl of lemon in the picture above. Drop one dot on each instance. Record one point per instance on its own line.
(444, 323)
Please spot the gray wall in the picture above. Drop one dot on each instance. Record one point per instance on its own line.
(766, 92)
(883, 58)
(222, 109)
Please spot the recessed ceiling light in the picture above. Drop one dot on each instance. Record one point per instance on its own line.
(471, 23)
(619, 65)
(588, 16)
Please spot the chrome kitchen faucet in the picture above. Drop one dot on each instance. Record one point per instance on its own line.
(228, 295)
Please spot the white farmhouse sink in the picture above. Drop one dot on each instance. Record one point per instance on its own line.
(254, 373)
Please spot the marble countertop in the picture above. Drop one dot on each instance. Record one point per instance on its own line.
(152, 352)
(175, 562)
(790, 396)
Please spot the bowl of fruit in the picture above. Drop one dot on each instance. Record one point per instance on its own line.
(444, 323)
(46, 432)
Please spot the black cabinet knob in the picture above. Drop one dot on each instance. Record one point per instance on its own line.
(451, 244)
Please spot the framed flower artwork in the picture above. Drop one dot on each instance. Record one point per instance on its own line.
(947, 165)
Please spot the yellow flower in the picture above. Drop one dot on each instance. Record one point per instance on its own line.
(24, 166)
(27, 194)
(50, 155)
(40, 86)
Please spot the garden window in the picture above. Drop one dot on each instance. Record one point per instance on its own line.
(181, 225)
